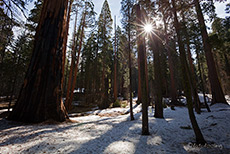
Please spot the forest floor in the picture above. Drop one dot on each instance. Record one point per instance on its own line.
(110, 131)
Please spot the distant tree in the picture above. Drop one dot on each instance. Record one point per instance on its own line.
(6, 37)
(126, 10)
(89, 54)
(122, 64)
(86, 15)
(22, 49)
(40, 96)
(115, 61)
(105, 49)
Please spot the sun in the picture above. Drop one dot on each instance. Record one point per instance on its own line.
(148, 28)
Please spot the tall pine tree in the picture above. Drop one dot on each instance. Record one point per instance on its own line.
(106, 51)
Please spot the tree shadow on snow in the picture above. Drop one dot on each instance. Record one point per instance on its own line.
(117, 133)
(24, 132)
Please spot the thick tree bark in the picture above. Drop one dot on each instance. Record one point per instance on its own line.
(217, 91)
(187, 79)
(40, 96)
(142, 56)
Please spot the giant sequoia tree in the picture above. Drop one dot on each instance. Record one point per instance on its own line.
(40, 95)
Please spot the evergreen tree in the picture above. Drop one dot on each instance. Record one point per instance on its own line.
(106, 51)
(126, 10)
(89, 54)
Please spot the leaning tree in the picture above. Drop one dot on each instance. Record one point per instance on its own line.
(40, 96)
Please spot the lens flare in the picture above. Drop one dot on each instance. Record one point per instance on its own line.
(148, 28)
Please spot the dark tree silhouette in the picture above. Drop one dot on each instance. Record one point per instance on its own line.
(141, 47)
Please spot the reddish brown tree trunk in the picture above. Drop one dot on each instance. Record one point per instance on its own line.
(217, 91)
(67, 101)
(40, 95)
(76, 64)
(142, 56)
(66, 31)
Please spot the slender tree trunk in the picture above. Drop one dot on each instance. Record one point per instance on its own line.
(201, 79)
(66, 75)
(67, 102)
(115, 62)
(186, 79)
(76, 64)
(193, 75)
(141, 54)
(194, 85)
(40, 96)
(130, 71)
(139, 100)
(217, 92)
(66, 32)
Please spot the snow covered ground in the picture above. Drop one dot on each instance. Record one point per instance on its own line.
(104, 132)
